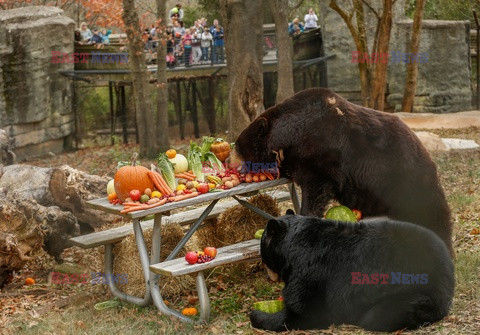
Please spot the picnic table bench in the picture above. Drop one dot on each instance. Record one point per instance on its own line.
(153, 268)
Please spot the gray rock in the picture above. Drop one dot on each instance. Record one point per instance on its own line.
(35, 99)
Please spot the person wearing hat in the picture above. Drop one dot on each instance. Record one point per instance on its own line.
(177, 10)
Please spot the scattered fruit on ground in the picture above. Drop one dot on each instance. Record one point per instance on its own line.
(29, 281)
(269, 306)
(210, 251)
(259, 233)
(191, 257)
(189, 311)
(341, 213)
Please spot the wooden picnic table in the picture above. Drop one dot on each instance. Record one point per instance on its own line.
(152, 268)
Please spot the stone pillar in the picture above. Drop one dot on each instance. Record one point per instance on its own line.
(443, 81)
(35, 100)
(443, 84)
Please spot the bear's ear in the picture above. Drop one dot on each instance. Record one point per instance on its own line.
(290, 212)
(262, 125)
(275, 228)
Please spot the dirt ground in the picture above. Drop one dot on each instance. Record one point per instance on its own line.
(68, 309)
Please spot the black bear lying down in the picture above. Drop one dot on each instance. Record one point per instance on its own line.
(382, 276)
(365, 159)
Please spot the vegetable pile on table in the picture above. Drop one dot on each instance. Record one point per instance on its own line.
(176, 177)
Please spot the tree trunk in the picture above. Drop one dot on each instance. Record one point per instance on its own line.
(412, 67)
(194, 110)
(280, 11)
(377, 100)
(44, 207)
(206, 95)
(163, 141)
(244, 48)
(145, 114)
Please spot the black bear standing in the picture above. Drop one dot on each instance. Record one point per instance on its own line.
(382, 276)
(365, 159)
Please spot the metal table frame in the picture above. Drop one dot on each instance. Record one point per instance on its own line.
(152, 289)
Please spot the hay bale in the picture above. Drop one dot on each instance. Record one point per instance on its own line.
(238, 223)
(127, 260)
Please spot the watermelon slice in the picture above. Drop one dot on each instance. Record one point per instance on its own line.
(269, 306)
(341, 213)
(258, 234)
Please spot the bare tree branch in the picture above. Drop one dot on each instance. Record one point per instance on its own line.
(372, 9)
(294, 8)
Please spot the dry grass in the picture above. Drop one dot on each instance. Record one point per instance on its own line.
(233, 293)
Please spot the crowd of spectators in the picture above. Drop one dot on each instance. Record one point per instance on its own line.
(84, 36)
(198, 44)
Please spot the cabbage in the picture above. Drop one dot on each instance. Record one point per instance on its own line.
(195, 161)
(166, 168)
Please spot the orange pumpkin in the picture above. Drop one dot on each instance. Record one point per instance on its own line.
(29, 281)
(189, 311)
(131, 177)
(221, 149)
(171, 153)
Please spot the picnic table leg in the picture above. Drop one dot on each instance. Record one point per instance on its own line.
(113, 286)
(253, 208)
(295, 199)
(200, 280)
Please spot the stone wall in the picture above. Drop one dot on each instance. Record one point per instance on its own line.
(35, 100)
(444, 80)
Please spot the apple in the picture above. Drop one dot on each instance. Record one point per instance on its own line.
(202, 188)
(210, 251)
(191, 257)
(135, 195)
(358, 214)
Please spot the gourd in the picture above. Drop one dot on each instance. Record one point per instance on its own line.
(29, 281)
(179, 162)
(131, 177)
(221, 149)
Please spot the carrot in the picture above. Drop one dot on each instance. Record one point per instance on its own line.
(269, 175)
(143, 207)
(191, 174)
(162, 182)
(157, 184)
(185, 176)
(131, 204)
(183, 197)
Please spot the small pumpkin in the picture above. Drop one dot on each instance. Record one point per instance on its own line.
(171, 153)
(190, 311)
(29, 281)
(221, 149)
(131, 177)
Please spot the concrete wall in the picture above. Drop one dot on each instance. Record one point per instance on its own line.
(443, 81)
(35, 100)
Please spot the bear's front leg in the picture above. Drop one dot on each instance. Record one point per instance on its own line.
(315, 198)
(274, 322)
